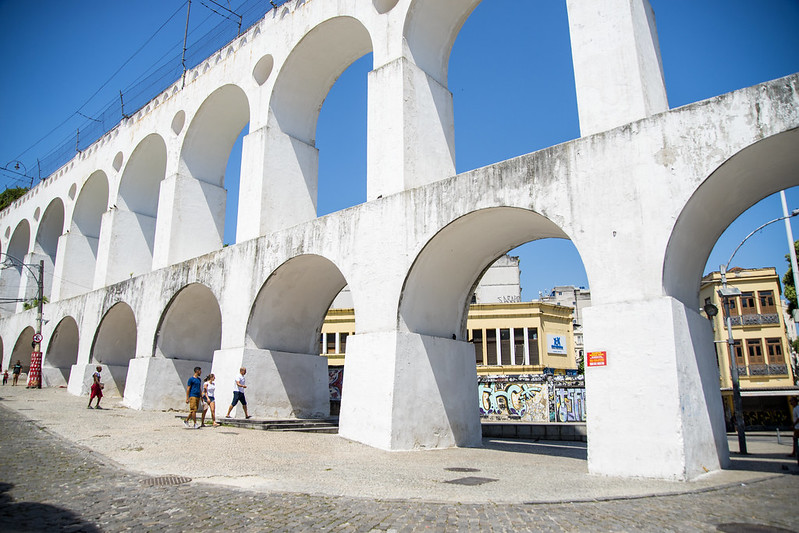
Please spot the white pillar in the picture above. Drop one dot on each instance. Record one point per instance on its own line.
(278, 184)
(499, 346)
(618, 73)
(191, 220)
(426, 397)
(526, 347)
(410, 129)
(668, 422)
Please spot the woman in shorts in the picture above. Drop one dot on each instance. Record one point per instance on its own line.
(209, 402)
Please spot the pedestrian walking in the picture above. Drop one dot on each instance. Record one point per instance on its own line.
(97, 388)
(238, 394)
(5, 377)
(16, 371)
(194, 389)
(795, 418)
(209, 401)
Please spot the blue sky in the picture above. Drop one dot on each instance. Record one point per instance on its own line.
(57, 54)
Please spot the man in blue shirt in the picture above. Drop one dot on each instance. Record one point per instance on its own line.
(194, 389)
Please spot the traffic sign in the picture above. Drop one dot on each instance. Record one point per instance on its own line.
(37, 337)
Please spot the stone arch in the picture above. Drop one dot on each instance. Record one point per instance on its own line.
(22, 352)
(430, 30)
(46, 245)
(744, 179)
(311, 70)
(282, 338)
(80, 254)
(291, 160)
(12, 278)
(288, 312)
(62, 353)
(436, 305)
(134, 215)
(191, 326)
(115, 345)
(200, 182)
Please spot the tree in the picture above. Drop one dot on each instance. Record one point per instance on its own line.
(789, 290)
(9, 195)
(33, 304)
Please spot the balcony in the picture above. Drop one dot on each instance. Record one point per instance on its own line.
(763, 370)
(755, 320)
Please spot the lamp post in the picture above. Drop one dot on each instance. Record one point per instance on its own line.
(9, 261)
(731, 292)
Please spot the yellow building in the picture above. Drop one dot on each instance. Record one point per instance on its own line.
(524, 354)
(521, 338)
(509, 338)
(760, 344)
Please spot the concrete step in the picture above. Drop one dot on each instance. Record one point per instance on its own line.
(314, 425)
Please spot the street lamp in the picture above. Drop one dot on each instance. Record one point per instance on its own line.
(731, 292)
(36, 357)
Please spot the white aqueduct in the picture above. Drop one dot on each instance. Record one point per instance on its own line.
(130, 232)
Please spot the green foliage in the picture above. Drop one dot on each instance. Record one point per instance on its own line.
(33, 304)
(9, 195)
(788, 288)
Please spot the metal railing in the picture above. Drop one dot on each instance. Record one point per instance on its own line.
(136, 96)
(755, 320)
(763, 370)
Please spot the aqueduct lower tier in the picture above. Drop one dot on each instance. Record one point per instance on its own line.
(643, 203)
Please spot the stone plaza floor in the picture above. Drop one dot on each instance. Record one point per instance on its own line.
(67, 468)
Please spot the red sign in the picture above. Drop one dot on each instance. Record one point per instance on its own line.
(597, 358)
(35, 371)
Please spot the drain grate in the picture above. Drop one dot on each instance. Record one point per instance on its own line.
(165, 480)
(461, 469)
(471, 481)
(740, 527)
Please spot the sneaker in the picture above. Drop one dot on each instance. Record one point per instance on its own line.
(198, 427)
(90, 407)
(98, 407)
(186, 424)
(228, 416)
(195, 425)
(248, 417)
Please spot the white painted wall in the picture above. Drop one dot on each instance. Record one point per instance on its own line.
(640, 202)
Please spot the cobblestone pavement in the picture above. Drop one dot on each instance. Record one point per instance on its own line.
(50, 484)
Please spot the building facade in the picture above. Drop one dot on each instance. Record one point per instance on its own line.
(525, 353)
(760, 345)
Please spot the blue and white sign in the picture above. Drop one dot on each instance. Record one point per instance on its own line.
(556, 344)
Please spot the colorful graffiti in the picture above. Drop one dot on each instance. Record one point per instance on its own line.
(335, 379)
(570, 404)
(523, 401)
(532, 398)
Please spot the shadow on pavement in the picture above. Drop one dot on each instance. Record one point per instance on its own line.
(30, 516)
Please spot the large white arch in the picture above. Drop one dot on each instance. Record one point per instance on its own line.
(280, 173)
(437, 291)
(81, 246)
(132, 237)
(114, 345)
(46, 245)
(192, 221)
(755, 172)
(12, 282)
(61, 354)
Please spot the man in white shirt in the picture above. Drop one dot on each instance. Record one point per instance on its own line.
(238, 394)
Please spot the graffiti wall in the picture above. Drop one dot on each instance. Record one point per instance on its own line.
(335, 378)
(532, 398)
(570, 404)
(522, 401)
